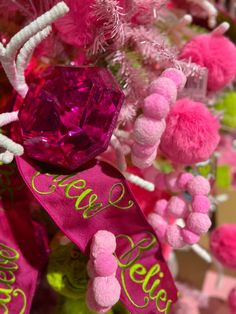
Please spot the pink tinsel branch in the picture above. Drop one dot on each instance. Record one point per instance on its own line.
(109, 13)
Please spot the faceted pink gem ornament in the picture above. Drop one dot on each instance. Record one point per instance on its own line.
(68, 117)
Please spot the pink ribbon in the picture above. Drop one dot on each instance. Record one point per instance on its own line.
(98, 198)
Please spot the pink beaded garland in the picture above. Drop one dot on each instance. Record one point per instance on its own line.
(104, 289)
(156, 106)
(192, 211)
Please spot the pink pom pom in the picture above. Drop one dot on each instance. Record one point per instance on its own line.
(158, 223)
(191, 134)
(176, 76)
(156, 106)
(177, 207)
(148, 131)
(91, 303)
(198, 186)
(171, 181)
(105, 265)
(174, 236)
(201, 204)
(198, 223)
(165, 87)
(217, 54)
(106, 291)
(143, 151)
(143, 163)
(232, 300)
(103, 242)
(223, 245)
(161, 207)
(183, 180)
(189, 237)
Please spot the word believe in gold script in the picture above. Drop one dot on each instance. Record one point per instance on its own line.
(148, 279)
(8, 267)
(78, 190)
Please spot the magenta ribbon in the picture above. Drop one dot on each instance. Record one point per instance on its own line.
(98, 198)
(18, 274)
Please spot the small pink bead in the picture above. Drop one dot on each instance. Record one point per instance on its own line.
(105, 265)
(158, 223)
(198, 223)
(165, 87)
(183, 180)
(156, 106)
(201, 204)
(198, 186)
(174, 237)
(106, 291)
(177, 207)
(143, 151)
(171, 182)
(143, 163)
(177, 76)
(103, 242)
(161, 207)
(148, 131)
(189, 237)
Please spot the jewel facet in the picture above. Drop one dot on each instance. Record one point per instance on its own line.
(68, 117)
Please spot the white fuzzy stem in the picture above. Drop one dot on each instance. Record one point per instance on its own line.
(11, 146)
(209, 8)
(8, 54)
(23, 57)
(33, 28)
(120, 157)
(202, 253)
(8, 117)
(221, 29)
(146, 185)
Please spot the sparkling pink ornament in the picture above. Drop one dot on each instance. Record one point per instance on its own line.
(68, 116)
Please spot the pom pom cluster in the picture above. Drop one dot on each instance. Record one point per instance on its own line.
(191, 134)
(217, 54)
(223, 245)
(150, 126)
(103, 289)
(193, 212)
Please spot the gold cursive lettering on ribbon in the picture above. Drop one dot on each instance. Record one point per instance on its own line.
(148, 280)
(8, 265)
(85, 198)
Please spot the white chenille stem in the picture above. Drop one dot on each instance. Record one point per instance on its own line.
(202, 253)
(6, 157)
(209, 8)
(11, 146)
(8, 54)
(146, 185)
(221, 29)
(121, 161)
(8, 117)
(39, 24)
(23, 57)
